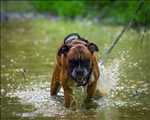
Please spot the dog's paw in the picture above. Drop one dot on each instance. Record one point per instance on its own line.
(101, 93)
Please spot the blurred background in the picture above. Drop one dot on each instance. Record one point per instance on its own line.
(32, 31)
(112, 11)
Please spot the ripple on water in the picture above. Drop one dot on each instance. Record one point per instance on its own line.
(37, 93)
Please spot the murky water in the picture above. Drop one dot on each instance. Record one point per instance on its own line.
(28, 51)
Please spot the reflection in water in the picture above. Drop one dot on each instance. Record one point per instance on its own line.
(26, 82)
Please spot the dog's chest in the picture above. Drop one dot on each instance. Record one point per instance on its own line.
(78, 93)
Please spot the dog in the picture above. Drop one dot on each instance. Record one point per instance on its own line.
(75, 62)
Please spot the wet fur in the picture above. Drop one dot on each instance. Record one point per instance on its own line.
(60, 77)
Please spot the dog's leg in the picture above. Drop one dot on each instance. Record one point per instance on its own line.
(91, 89)
(96, 71)
(55, 85)
(63, 78)
(66, 88)
(67, 96)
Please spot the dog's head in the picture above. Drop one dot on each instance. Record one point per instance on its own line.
(78, 55)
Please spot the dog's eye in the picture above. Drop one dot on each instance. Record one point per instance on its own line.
(73, 63)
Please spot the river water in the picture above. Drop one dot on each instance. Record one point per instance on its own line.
(28, 50)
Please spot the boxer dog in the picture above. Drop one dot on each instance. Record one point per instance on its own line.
(76, 63)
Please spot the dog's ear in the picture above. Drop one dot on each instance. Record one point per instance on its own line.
(63, 49)
(93, 47)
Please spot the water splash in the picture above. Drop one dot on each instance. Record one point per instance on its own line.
(109, 76)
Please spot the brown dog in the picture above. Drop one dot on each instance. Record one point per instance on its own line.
(76, 61)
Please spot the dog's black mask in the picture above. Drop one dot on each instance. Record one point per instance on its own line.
(80, 71)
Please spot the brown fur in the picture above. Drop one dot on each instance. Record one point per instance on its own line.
(60, 76)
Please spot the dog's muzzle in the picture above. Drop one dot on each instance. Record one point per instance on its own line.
(83, 81)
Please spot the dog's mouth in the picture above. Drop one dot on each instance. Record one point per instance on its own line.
(81, 82)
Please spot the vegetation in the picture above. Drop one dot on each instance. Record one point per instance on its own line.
(114, 11)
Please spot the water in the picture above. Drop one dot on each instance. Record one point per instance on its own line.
(28, 51)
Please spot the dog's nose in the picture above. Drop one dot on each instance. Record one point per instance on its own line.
(79, 72)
